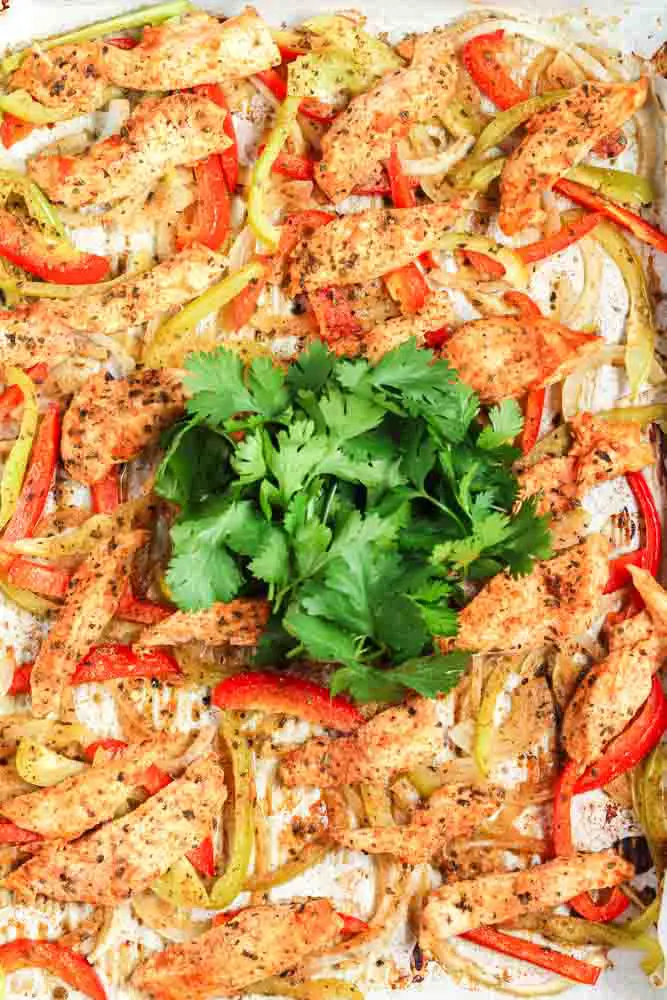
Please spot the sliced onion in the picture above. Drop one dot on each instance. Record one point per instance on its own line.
(117, 113)
(585, 307)
(181, 886)
(578, 391)
(168, 921)
(442, 162)
(460, 967)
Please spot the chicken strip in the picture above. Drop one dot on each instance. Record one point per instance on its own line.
(257, 942)
(653, 595)
(67, 77)
(437, 313)
(112, 420)
(395, 740)
(354, 249)
(452, 811)
(504, 357)
(28, 337)
(10, 783)
(363, 135)
(558, 138)
(557, 599)
(602, 450)
(196, 49)
(236, 623)
(91, 602)
(160, 134)
(77, 804)
(126, 856)
(135, 300)
(493, 899)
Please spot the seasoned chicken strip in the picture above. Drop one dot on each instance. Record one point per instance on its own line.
(235, 623)
(126, 856)
(196, 49)
(437, 312)
(77, 804)
(160, 134)
(493, 899)
(452, 811)
(363, 135)
(257, 942)
(168, 285)
(90, 605)
(558, 138)
(10, 783)
(557, 599)
(653, 595)
(354, 249)
(395, 740)
(112, 420)
(67, 77)
(28, 337)
(504, 357)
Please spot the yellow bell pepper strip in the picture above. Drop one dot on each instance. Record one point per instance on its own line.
(508, 121)
(181, 886)
(19, 104)
(27, 601)
(17, 460)
(308, 989)
(231, 883)
(485, 725)
(179, 326)
(640, 330)
(652, 413)
(516, 273)
(37, 204)
(619, 185)
(122, 22)
(261, 226)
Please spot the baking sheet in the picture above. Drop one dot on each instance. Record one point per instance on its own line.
(636, 27)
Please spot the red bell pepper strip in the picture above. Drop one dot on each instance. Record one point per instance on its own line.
(113, 661)
(21, 679)
(436, 339)
(12, 397)
(351, 925)
(155, 779)
(49, 581)
(108, 744)
(632, 745)
(38, 480)
(137, 609)
(122, 42)
(212, 209)
(618, 570)
(10, 833)
(274, 82)
(584, 904)
(400, 188)
(105, 492)
(288, 53)
(317, 111)
(310, 107)
(28, 248)
(408, 287)
(634, 223)
(229, 157)
(565, 237)
(532, 419)
(203, 858)
(281, 693)
(13, 130)
(486, 266)
(523, 303)
(66, 964)
(652, 522)
(536, 954)
(240, 310)
(334, 314)
(298, 168)
(480, 59)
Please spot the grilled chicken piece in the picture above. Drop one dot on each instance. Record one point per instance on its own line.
(354, 249)
(452, 811)
(28, 337)
(67, 77)
(437, 313)
(168, 285)
(558, 138)
(91, 602)
(256, 942)
(557, 599)
(395, 740)
(653, 595)
(363, 135)
(112, 420)
(493, 899)
(77, 804)
(194, 50)
(10, 783)
(126, 856)
(504, 357)
(235, 623)
(602, 450)
(160, 134)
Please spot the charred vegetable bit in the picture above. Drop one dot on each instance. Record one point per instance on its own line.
(346, 476)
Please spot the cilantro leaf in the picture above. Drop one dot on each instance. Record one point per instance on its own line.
(248, 458)
(202, 575)
(312, 368)
(506, 424)
(428, 675)
(195, 465)
(321, 639)
(400, 624)
(215, 382)
(266, 382)
(271, 563)
(300, 450)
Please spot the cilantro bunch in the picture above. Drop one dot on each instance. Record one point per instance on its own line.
(358, 498)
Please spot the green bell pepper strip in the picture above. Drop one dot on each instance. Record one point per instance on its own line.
(214, 298)
(574, 931)
(508, 121)
(261, 226)
(645, 920)
(516, 272)
(619, 185)
(21, 105)
(485, 722)
(652, 413)
(311, 856)
(482, 178)
(122, 22)
(38, 205)
(231, 883)
(27, 601)
(307, 989)
(17, 460)
(653, 807)
(461, 119)
(640, 330)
